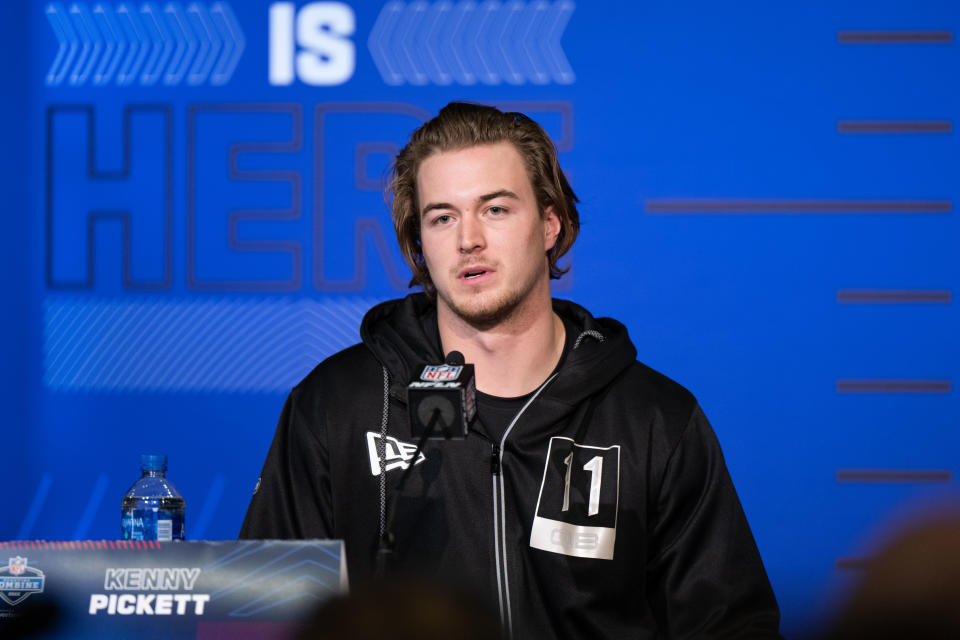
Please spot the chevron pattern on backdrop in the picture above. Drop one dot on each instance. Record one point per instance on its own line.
(464, 43)
(184, 346)
(123, 45)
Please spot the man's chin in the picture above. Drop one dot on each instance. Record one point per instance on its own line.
(483, 313)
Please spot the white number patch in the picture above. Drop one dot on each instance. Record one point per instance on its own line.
(579, 500)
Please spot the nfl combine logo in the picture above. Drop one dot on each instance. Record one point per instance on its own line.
(18, 581)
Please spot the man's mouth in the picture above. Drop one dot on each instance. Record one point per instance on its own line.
(474, 272)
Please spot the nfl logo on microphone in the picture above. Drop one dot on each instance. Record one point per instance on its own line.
(440, 373)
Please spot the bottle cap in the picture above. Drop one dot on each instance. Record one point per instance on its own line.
(153, 462)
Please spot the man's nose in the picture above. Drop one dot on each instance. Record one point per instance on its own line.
(470, 233)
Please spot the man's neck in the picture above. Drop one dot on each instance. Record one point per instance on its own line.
(512, 358)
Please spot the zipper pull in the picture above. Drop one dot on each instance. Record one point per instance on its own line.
(495, 459)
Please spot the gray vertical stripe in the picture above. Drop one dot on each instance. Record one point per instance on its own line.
(502, 523)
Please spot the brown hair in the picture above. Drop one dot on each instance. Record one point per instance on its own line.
(460, 125)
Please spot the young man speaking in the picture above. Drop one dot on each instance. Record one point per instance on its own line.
(590, 499)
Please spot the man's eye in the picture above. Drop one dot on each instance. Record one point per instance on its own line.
(497, 211)
(441, 219)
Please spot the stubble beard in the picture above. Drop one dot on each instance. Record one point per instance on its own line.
(484, 313)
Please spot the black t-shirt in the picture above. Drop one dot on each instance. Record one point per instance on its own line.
(497, 413)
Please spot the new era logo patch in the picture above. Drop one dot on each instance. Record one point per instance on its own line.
(397, 454)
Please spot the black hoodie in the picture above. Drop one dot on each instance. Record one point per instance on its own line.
(605, 511)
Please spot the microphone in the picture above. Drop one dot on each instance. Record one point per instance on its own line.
(444, 396)
(442, 401)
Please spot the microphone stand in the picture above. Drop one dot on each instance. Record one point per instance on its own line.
(387, 543)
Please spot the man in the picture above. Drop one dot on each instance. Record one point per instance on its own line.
(590, 499)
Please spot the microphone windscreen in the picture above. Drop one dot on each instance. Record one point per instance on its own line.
(455, 358)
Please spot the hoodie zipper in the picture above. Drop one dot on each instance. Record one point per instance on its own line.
(499, 516)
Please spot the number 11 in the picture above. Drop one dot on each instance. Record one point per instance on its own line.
(595, 467)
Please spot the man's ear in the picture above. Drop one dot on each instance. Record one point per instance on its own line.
(551, 228)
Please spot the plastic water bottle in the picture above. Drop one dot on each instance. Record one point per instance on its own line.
(153, 509)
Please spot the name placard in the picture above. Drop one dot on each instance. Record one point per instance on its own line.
(145, 589)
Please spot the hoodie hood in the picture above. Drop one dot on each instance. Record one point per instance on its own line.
(403, 334)
(601, 351)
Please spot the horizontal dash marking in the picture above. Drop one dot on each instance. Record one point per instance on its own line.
(783, 205)
(894, 475)
(894, 296)
(894, 386)
(895, 37)
(895, 126)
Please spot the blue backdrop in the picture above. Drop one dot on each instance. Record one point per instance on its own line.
(194, 218)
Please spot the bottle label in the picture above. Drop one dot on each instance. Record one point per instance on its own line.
(152, 524)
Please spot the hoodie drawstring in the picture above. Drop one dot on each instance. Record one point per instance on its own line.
(596, 335)
(382, 451)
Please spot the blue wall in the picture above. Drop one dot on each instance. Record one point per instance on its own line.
(767, 201)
